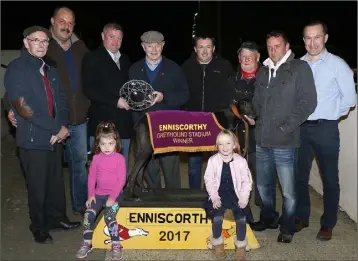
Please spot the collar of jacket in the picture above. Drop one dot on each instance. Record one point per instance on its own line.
(285, 66)
(34, 60)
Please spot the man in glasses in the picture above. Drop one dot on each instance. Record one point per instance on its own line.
(67, 51)
(41, 112)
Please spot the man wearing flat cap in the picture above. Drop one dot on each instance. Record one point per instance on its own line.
(170, 92)
(243, 86)
(67, 52)
(41, 112)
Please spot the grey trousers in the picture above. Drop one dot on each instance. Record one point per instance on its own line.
(169, 163)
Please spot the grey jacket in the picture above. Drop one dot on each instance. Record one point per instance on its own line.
(283, 104)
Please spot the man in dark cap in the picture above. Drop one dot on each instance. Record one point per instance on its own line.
(42, 120)
(243, 85)
(170, 92)
(67, 51)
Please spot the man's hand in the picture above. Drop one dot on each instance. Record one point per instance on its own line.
(53, 139)
(62, 134)
(12, 119)
(122, 104)
(249, 120)
(158, 97)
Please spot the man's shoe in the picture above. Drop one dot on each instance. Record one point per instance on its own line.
(67, 225)
(301, 224)
(284, 238)
(261, 225)
(42, 238)
(258, 226)
(324, 234)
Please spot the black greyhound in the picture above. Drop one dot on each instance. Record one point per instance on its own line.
(227, 118)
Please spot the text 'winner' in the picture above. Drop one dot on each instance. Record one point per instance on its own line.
(183, 133)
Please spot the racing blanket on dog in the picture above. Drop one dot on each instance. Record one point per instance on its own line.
(182, 131)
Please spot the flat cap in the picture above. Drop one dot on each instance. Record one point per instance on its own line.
(36, 28)
(252, 46)
(152, 37)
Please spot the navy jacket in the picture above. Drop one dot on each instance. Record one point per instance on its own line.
(170, 80)
(23, 79)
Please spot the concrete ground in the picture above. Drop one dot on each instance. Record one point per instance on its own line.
(17, 243)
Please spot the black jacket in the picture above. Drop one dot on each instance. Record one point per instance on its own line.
(102, 81)
(283, 104)
(170, 80)
(208, 85)
(244, 89)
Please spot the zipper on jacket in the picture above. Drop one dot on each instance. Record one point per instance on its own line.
(31, 136)
(203, 91)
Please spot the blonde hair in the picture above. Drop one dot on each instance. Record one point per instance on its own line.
(106, 129)
(232, 135)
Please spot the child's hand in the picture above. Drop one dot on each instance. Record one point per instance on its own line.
(216, 203)
(242, 205)
(110, 202)
(89, 201)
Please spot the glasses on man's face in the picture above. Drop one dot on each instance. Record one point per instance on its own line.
(38, 41)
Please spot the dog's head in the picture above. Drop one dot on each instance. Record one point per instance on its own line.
(245, 107)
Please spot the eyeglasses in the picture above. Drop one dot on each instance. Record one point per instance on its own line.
(37, 41)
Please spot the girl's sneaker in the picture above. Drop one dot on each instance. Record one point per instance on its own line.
(84, 250)
(116, 253)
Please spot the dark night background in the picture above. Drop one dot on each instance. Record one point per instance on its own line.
(230, 22)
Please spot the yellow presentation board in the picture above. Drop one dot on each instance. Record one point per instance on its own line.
(166, 228)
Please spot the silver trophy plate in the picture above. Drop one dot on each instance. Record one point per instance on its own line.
(138, 94)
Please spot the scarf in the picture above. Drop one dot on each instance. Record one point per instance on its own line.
(248, 75)
(268, 62)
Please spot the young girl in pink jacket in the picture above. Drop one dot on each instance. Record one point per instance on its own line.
(106, 179)
(228, 183)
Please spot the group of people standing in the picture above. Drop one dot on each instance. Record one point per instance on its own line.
(298, 102)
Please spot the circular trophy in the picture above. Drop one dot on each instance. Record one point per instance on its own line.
(138, 94)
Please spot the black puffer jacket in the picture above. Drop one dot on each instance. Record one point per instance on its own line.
(208, 85)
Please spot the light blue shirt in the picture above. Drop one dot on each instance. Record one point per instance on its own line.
(152, 67)
(335, 86)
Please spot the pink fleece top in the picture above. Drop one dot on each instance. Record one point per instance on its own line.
(107, 175)
(241, 177)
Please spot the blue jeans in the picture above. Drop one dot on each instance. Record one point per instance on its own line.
(283, 160)
(76, 156)
(194, 169)
(320, 138)
(126, 143)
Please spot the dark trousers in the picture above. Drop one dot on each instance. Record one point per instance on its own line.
(322, 139)
(45, 186)
(252, 165)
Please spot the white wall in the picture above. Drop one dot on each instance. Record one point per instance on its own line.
(6, 57)
(347, 166)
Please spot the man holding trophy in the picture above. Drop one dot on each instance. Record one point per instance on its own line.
(170, 92)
